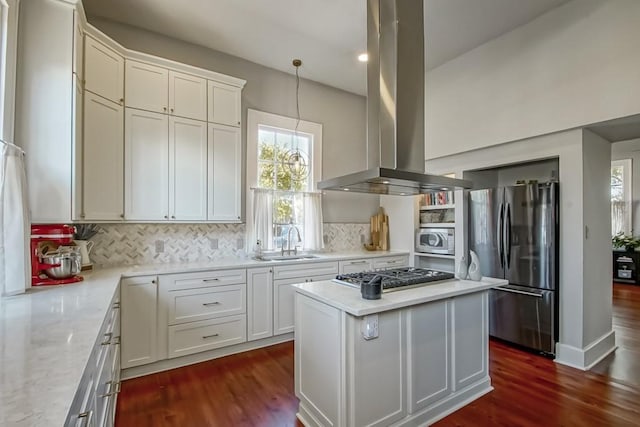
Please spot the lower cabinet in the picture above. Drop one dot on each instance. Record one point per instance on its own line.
(139, 320)
(95, 400)
(259, 303)
(194, 337)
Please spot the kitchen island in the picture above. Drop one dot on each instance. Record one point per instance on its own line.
(407, 359)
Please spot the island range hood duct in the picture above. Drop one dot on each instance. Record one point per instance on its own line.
(395, 106)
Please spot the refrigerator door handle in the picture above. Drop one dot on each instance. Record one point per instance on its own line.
(507, 233)
(500, 235)
(515, 291)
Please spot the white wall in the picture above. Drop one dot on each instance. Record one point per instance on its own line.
(596, 189)
(342, 114)
(582, 265)
(576, 65)
(631, 150)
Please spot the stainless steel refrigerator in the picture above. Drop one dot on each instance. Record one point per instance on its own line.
(514, 231)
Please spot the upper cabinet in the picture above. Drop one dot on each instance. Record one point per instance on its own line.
(78, 46)
(103, 70)
(187, 96)
(224, 104)
(146, 87)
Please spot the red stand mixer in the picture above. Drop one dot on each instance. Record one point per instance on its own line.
(53, 263)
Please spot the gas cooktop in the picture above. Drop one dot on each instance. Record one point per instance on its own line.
(395, 278)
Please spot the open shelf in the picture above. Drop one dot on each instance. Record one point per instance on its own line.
(438, 225)
(434, 207)
(441, 256)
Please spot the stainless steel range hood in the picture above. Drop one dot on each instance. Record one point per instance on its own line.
(395, 106)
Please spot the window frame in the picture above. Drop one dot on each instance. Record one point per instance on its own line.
(627, 182)
(8, 57)
(255, 119)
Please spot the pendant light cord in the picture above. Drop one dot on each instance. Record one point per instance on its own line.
(297, 101)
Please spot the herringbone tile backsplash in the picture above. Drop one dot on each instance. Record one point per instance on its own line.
(126, 244)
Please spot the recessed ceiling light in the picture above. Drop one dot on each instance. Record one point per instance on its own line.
(363, 57)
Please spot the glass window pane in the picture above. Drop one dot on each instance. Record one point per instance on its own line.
(266, 175)
(283, 208)
(266, 140)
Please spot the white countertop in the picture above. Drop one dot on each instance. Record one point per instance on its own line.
(47, 334)
(348, 299)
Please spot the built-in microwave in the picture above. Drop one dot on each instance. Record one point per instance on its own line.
(435, 240)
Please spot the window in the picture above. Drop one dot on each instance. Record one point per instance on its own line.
(621, 197)
(273, 167)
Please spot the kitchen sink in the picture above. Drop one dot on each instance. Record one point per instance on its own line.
(285, 257)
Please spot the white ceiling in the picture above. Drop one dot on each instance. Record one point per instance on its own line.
(326, 35)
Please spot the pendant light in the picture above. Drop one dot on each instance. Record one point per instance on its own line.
(295, 160)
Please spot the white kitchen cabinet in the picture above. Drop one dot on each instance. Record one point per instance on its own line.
(187, 169)
(191, 305)
(195, 337)
(45, 108)
(139, 296)
(224, 171)
(259, 303)
(146, 174)
(284, 293)
(146, 86)
(78, 47)
(224, 104)
(187, 96)
(95, 399)
(78, 146)
(390, 262)
(103, 70)
(470, 335)
(355, 266)
(102, 184)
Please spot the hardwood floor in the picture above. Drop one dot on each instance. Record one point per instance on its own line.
(256, 388)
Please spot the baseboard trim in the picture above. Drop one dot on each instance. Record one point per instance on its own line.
(191, 359)
(586, 358)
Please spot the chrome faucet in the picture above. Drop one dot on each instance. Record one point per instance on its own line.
(295, 247)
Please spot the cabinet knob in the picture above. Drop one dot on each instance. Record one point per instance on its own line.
(166, 217)
(173, 217)
(81, 215)
(164, 108)
(121, 215)
(172, 110)
(121, 100)
(153, 281)
(238, 122)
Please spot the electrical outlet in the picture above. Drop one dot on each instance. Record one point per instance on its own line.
(213, 243)
(369, 327)
(325, 239)
(159, 246)
(239, 243)
(363, 238)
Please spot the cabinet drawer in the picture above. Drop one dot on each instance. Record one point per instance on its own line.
(305, 270)
(206, 335)
(355, 266)
(391, 262)
(189, 305)
(203, 280)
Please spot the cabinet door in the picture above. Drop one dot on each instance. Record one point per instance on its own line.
(187, 96)
(283, 305)
(78, 47)
(354, 266)
(224, 104)
(429, 351)
(187, 169)
(76, 172)
(103, 159)
(224, 173)
(470, 338)
(139, 321)
(146, 165)
(103, 71)
(146, 87)
(390, 262)
(259, 303)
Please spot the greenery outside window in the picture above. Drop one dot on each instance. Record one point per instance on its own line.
(621, 197)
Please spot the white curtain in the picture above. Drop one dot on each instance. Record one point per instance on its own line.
(262, 225)
(14, 223)
(620, 217)
(313, 221)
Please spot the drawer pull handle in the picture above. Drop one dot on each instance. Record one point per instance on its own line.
(107, 340)
(112, 392)
(207, 304)
(210, 336)
(215, 279)
(86, 417)
(358, 262)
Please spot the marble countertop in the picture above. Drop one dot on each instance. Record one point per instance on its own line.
(47, 334)
(348, 299)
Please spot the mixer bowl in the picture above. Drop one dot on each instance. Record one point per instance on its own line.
(70, 264)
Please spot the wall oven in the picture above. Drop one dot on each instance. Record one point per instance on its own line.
(433, 240)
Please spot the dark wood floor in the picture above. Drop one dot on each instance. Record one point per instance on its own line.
(256, 388)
